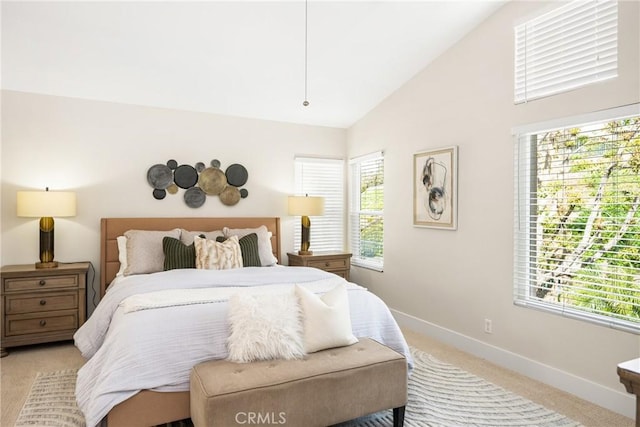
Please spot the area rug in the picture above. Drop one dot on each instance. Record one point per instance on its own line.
(52, 401)
(440, 395)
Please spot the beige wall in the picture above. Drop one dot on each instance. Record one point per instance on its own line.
(103, 151)
(452, 280)
(449, 281)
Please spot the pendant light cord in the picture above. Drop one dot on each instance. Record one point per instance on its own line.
(306, 102)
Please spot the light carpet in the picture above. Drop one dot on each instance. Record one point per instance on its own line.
(440, 394)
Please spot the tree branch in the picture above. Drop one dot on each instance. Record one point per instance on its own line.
(621, 232)
(573, 263)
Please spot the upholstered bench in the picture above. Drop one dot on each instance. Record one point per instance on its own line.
(324, 388)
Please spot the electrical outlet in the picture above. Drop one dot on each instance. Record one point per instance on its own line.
(488, 327)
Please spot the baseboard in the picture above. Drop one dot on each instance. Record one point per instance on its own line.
(617, 401)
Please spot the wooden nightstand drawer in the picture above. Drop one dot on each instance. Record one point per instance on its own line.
(342, 273)
(22, 324)
(334, 262)
(330, 264)
(40, 283)
(37, 303)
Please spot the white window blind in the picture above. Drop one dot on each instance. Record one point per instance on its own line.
(366, 211)
(577, 219)
(325, 178)
(571, 46)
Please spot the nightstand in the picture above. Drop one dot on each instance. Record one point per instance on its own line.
(334, 262)
(629, 373)
(41, 305)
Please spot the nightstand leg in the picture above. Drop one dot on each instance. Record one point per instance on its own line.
(3, 352)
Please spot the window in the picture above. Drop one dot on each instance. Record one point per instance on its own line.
(325, 178)
(577, 222)
(571, 46)
(366, 211)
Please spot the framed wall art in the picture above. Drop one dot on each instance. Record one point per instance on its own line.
(435, 188)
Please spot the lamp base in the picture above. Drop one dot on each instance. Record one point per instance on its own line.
(46, 244)
(305, 252)
(50, 264)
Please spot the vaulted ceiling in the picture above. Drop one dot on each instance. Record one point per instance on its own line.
(236, 58)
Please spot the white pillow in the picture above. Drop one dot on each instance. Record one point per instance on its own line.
(122, 254)
(212, 255)
(264, 327)
(326, 319)
(265, 250)
(187, 236)
(144, 250)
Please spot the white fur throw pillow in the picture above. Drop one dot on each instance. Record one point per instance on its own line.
(212, 255)
(326, 319)
(264, 327)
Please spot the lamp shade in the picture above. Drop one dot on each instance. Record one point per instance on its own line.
(306, 205)
(39, 204)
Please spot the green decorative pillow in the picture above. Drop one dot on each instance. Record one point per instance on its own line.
(248, 248)
(177, 254)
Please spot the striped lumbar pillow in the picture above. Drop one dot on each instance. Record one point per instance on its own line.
(177, 254)
(249, 250)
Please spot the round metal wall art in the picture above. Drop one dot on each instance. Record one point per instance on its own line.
(194, 197)
(199, 181)
(185, 176)
(237, 175)
(230, 195)
(159, 193)
(159, 176)
(212, 181)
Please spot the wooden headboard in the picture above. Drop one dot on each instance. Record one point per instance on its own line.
(111, 228)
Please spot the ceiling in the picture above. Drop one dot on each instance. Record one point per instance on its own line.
(235, 58)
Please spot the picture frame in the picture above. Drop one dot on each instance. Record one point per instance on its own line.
(435, 188)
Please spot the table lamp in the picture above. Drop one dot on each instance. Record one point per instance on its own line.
(45, 205)
(306, 206)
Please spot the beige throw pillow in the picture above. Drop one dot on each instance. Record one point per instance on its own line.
(122, 255)
(212, 255)
(326, 319)
(144, 250)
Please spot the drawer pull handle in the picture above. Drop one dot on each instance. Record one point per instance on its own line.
(43, 323)
(43, 301)
(42, 282)
(326, 264)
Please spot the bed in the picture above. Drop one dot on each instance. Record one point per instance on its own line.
(136, 372)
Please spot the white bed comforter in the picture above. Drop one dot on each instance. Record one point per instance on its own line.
(156, 348)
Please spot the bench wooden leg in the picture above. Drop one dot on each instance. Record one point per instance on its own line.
(398, 416)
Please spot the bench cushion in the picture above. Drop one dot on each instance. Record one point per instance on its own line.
(324, 388)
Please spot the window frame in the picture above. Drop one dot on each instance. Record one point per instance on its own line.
(355, 212)
(525, 187)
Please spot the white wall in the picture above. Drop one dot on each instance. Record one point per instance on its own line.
(447, 282)
(103, 150)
